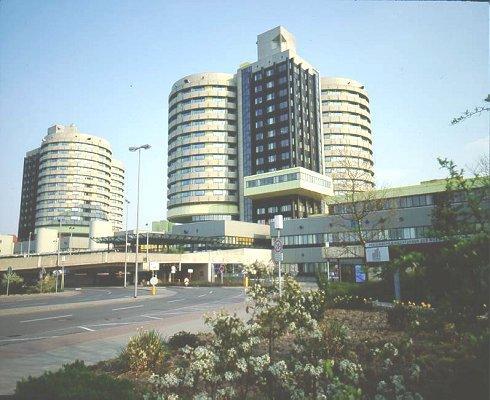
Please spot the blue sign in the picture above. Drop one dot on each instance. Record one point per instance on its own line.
(360, 274)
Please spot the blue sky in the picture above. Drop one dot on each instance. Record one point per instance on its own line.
(108, 66)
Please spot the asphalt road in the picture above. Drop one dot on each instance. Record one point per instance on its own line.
(94, 323)
(43, 324)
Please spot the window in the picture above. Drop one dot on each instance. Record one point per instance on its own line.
(258, 88)
(270, 84)
(283, 117)
(284, 156)
(271, 146)
(269, 72)
(271, 158)
(270, 96)
(259, 124)
(259, 136)
(258, 77)
(283, 104)
(284, 142)
(258, 100)
(270, 108)
(259, 148)
(260, 211)
(283, 92)
(259, 161)
(258, 112)
(270, 121)
(270, 134)
(282, 80)
(284, 129)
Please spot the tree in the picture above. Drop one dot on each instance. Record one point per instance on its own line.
(362, 211)
(458, 271)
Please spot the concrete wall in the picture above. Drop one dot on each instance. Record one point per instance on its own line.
(223, 228)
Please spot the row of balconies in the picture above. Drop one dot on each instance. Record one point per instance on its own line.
(81, 161)
(207, 150)
(207, 174)
(202, 186)
(343, 118)
(224, 104)
(344, 107)
(201, 93)
(210, 137)
(201, 200)
(208, 115)
(221, 125)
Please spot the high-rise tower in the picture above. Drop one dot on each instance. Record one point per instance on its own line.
(74, 180)
(202, 149)
(347, 135)
(279, 131)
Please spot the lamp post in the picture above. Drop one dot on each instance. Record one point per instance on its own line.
(29, 245)
(138, 148)
(62, 285)
(71, 229)
(126, 246)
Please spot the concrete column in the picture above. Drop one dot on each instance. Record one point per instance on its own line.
(210, 271)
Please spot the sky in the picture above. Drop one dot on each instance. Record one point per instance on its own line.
(108, 67)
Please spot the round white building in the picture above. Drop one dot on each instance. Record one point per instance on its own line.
(78, 182)
(202, 149)
(347, 133)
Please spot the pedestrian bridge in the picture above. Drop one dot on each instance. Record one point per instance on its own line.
(202, 263)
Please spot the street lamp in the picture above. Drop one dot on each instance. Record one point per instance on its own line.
(71, 229)
(138, 148)
(126, 246)
(62, 285)
(29, 245)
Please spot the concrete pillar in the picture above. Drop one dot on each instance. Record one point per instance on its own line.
(210, 271)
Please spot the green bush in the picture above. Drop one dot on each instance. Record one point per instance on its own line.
(16, 283)
(73, 382)
(144, 352)
(409, 316)
(182, 339)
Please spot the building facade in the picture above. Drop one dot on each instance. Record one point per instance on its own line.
(202, 149)
(280, 132)
(404, 218)
(346, 119)
(77, 181)
(27, 215)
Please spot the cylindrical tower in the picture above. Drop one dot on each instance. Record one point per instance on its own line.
(74, 184)
(202, 149)
(347, 133)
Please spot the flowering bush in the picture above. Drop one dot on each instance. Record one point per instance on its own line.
(411, 316)
(182, 339)
(144, 352)
(352, 302)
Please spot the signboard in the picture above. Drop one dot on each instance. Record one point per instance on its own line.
(360, 274)
(190, 271)
(277, 249)
(154, 280)
(173, 269)
(401, 242)
(154, 266)
(377, 254)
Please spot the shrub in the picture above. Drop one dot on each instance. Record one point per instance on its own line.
(352, 302)
(144, 352)
(403, 316)
(182, 339)
(16, 283)
(73, 382)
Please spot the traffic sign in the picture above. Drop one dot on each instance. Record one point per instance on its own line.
(154, 266)
(277, 249)
(154, 280)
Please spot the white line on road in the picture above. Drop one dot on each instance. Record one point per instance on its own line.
(127, 308)
(202, 295)
(87, 329)
(149, 316)
(173, 301)
(25, 339)
(42, 319)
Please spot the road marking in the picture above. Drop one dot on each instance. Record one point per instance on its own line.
(87, 329)
(25, 339)
(202, 295)
(126, 308)
(43, 319)
(149, 316)
(173, 301)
